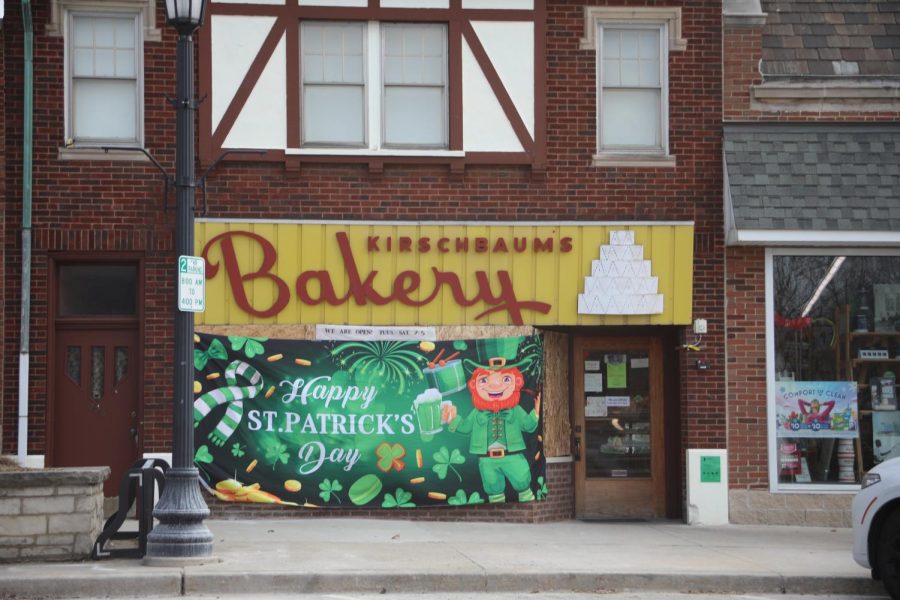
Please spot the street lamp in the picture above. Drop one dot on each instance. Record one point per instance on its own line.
(181, 534)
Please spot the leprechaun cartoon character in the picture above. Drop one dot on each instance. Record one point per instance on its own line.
(495, 427)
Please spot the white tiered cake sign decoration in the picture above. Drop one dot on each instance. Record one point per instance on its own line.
(620, 282)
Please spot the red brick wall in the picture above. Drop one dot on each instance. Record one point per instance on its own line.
(745, 283)
(117, 207)
(82, 207)
(746, 368)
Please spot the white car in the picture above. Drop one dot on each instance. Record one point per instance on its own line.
(876, 524)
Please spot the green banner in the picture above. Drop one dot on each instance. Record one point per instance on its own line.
(369, 423)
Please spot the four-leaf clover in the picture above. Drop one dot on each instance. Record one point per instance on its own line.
(330, 488)
(400, 499)
(444, 460)
(390, 457)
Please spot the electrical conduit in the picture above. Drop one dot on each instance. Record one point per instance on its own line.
(25, 317)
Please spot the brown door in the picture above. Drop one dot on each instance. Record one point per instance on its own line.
(96, 401)
(618, 419)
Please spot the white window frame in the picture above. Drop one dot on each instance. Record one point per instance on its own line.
(373, 118)
(367, 34)
(663, 117)
(445, 103)
(102, 12)
(774, 485)
(668, 18)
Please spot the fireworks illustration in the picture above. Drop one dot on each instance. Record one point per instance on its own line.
(388, 361)
(531, 356)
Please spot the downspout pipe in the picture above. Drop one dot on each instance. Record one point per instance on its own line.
(27, 148)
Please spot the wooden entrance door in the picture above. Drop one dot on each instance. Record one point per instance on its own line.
(95, 412)
(618, 420)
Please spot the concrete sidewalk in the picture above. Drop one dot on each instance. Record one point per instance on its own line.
(316, 555)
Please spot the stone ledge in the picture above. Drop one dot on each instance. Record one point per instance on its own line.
(61, 476)
(761, 507)
(791, 94)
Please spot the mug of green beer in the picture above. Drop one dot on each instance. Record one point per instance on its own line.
(427, 407)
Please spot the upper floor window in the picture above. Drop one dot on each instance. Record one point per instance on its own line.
(374, 85)
(631, 45)
(632, 93)
(104, 95)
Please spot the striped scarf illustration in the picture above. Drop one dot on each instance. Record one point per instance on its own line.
(233, 395)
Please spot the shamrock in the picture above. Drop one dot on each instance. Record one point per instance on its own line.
(390, 457)
(330, 488)
(400, 499)
(459, 499)
(445, 460)
(216, 350)
(202, 455)
(251, 345)
(275, 452)
(237, 450)
(542, 488)
(460, 345)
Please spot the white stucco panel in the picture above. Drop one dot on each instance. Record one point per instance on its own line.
(510, 47)
(249, 2)
(503, 4)
(485, 126)
(343, 3)
(236, 41)
(263, 122)
(415, 3)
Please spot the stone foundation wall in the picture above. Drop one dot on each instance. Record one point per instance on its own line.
(50, 514)
(760, 507)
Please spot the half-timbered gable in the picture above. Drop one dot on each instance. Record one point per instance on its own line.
(320, 80)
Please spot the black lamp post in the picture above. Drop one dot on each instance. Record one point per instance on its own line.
(181, 534)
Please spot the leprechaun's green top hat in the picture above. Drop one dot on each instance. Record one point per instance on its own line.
(507, 348)
(496, 353)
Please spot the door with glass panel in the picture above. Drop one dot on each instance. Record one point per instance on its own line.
(96, 402)
(618, 425)
(96, 369)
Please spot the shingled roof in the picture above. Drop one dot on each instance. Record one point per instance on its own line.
(818, 38)
(821, 177)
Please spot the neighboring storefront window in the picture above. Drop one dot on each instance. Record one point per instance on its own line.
(834, 359)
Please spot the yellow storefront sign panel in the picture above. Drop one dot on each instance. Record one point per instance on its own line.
(447, 274)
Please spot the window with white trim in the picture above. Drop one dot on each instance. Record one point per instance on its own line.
(104, 79)
(405, 107)
(833, 348)
(632, 95)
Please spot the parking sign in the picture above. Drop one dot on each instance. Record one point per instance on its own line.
(191, 284)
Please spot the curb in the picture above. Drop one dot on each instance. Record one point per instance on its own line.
(284, 582)
(97, 584)
(191, 582)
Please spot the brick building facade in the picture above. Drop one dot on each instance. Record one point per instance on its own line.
(93, 208)
(803, 80)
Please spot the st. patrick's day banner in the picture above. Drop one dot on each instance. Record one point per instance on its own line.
(826, 409)
(369, 423)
